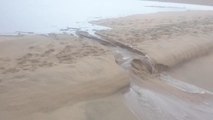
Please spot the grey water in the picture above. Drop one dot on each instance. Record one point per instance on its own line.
(67, 16)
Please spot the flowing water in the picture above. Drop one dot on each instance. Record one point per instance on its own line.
(152, 95)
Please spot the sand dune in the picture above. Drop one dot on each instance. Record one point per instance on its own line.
(169, 39)
(40, 74)
(180, 46)
(60, 77)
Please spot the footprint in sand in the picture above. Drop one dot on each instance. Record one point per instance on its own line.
(32, 47)
(48, 52)
(4, 60)
(11, 70)
(2, 68)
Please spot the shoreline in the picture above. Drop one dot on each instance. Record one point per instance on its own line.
(61, 76)
(198, 2)
(171, 40)
(63, 22)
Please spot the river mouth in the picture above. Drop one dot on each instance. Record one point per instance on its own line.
(152, 90)
(159, 93)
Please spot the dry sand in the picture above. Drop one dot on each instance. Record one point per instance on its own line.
(180, 46)
(61, 77)
(39, 75)
(167, 38)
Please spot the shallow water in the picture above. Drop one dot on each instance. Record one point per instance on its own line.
(186, 87)
(160, 96)
(149, 105)
(67, 16)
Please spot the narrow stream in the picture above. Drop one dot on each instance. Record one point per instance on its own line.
(154, 94)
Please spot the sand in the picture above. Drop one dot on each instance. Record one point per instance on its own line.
(42, 74)
(180, 47)
(197, 72)
(168, 38)
(200, 2)
(62, 77)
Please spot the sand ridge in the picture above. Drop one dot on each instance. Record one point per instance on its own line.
(64, 77)
(168, 39)
(178, 44)
(46, 74)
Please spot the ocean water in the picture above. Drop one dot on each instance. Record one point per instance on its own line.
(67, 16)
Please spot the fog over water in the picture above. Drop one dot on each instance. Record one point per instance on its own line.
(47, 16)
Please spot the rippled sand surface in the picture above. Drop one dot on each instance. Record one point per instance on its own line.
(147, 67)
(40, 75)
(179, 47)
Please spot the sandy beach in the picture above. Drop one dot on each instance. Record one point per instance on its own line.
(180, 48)
(200, 2)
(167, 38)
(147, 67)
(40, 74)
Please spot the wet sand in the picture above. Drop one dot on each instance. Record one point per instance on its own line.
(200, 2)
(179, 45)
(60, 77)
(197, 72)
